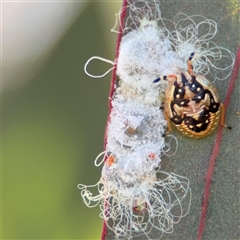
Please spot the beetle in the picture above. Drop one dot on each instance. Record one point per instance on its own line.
(192, 103)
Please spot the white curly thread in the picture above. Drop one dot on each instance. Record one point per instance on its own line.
(168, 146)
(96, 161)
(140, 13)
(190, 34)
(101, 59)
(195, 34)
(159, 201)
(135, 196)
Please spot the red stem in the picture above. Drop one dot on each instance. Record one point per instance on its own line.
(216, 149)
(112, 89)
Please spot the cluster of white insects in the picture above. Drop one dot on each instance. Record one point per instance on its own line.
(135, 195)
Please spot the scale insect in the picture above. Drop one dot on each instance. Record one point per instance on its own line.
(135, 195)
(192, 103)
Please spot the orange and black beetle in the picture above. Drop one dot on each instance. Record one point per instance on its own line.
(192, 103)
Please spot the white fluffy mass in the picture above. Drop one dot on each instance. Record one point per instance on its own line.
(133, 199)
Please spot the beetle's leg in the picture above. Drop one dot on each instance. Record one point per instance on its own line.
(169, 126)
(190, 66)
(166, 78)
(171, 76)
(222, 117)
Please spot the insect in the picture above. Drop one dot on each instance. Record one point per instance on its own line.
(192, 103)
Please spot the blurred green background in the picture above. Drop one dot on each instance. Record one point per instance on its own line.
(52, 130)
